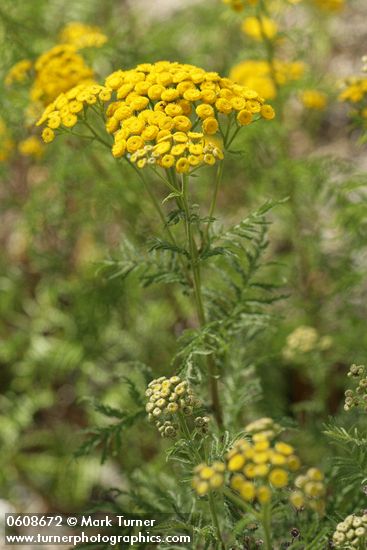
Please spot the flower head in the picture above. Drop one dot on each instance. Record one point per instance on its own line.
(58, 70)
(258, 75)
(81, 35)
(310, 491)
(169, 114)
(165, 112)
(31, 147)
(6, 142)
(208, 478)
(313, 99)
(303, 339)
(330, 5)
(261, 466)
(64, 111)
(239, 5)
(19, 72)
(260, 28)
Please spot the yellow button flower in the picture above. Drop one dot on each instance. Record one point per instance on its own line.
(278, 478)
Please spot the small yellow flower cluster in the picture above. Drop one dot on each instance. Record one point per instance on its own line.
(330, 5)
(19, 72)
(239, 5)
(58, 70)
(351, 533)
(259, 76)
(166, 397)
(6, 143)
(355, 93)
(260, 466)
(31, 147)
(265, 425)
(310, 491)
(358, 396)
(313, 99)
(64, 111)
(164, 112)
(208, 478)
(305, 339)
(81, 35)
(262, 28)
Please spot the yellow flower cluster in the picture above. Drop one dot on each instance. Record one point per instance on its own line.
(351, 532)
(19, 72)
(239, 5)
(82, 36)
(265, 425)
(259, 76)
(355, 93)
(208, 478)
(31, 147)
(64, 111)
(6, 143)
(305, 339)
(164, 112)
(310, 491)
(313, 99)
(260, 466)
(330, 5)
(58, 70)
(262, 28)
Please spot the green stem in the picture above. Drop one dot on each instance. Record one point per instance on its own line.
(97, 137)
(199, 301)
(233, 136)
(213, 513)
(239, 502)
(268, 44)
(218, 181)
(265, 522)
(187, 434)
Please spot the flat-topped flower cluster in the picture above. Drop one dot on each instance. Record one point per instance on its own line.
(258, 466)
(164, 113)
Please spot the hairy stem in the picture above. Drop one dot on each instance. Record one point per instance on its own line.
(215, 521)
(213, 383)
(265, 522)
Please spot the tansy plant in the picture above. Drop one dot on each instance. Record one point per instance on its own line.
(167, 121)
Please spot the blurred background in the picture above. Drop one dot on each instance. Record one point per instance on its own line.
(71, 327)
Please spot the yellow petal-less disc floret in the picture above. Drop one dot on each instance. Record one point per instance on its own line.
(208, 478)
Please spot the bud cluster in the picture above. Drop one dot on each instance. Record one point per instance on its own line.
(168, 397)
(358, 396)
(310, 491)
(351, 533)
